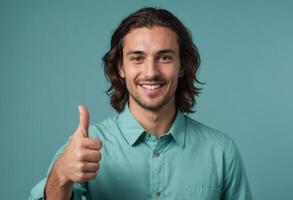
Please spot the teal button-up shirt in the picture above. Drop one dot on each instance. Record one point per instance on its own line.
(190, 162)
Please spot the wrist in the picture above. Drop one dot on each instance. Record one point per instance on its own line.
(58, 187)
(61, 180)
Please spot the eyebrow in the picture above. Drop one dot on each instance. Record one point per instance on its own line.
(134, 52)
(164, 51)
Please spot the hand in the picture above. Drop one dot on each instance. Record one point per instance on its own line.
(80, 161)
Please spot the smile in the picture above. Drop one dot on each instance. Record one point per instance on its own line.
(151, 87)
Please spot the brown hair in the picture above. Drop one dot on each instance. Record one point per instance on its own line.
(189, 57)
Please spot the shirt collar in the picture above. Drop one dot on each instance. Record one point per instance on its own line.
(129, 126)
(178, 130)
(132, 130)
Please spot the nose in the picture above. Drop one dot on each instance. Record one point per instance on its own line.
(151, 68)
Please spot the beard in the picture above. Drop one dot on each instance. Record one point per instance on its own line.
(153, 107)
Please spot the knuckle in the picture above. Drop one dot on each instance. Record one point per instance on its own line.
(96, 157)
(99, 156)
(100, 144)
(93, 175)
(96, 166)
(97, 143)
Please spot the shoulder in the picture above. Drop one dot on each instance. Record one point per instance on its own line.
(203, 130)
(207, 135)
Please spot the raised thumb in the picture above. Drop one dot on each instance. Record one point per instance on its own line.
(83, 120)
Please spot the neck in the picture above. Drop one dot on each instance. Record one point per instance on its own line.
(158, 121)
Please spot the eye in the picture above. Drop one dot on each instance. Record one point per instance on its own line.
(137, 59)
(165, 58)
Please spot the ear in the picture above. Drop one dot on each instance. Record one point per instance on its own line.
(121, 70)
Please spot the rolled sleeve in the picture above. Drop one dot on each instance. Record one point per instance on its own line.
(38, 191)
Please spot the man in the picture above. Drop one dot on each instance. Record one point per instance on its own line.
(150, 150)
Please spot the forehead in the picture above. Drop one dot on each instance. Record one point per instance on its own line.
(150, 40)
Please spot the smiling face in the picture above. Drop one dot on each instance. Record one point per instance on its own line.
(151, 67)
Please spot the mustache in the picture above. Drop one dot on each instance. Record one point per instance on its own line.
(155, 79)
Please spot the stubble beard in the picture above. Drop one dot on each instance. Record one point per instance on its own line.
(155, 107)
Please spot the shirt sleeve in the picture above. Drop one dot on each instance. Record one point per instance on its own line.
(235, 185)
(79, 190)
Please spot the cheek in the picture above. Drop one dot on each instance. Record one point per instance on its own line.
(130, 77)
(129, 69)
(173, 75)
(174, 79)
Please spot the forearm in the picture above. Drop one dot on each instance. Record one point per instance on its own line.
(57, 188)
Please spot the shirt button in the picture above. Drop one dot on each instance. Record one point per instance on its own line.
(158, 193)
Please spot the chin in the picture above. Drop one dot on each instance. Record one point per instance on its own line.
(153, 106)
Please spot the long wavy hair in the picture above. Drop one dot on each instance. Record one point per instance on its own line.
(148, 17)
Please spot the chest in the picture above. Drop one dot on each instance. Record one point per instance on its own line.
(169, 173)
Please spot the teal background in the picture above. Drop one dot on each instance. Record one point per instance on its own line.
(50, 62)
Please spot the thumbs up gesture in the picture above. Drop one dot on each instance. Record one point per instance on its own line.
(80, 161)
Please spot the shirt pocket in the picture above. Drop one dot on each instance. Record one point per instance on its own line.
(203, 192)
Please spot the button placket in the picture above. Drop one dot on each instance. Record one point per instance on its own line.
(157, 174)
(157, 166)
(158, 193)
(157, 170)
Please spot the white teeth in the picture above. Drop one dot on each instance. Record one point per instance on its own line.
(150, 87)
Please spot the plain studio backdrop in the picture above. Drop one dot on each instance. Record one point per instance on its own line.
(50, 62)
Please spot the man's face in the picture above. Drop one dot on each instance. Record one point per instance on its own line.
(151, 66)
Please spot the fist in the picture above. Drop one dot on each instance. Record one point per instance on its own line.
(80, 160)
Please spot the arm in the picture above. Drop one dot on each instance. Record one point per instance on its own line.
(235, 185)
(38, 191)
(57, 187)
(78, 163)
